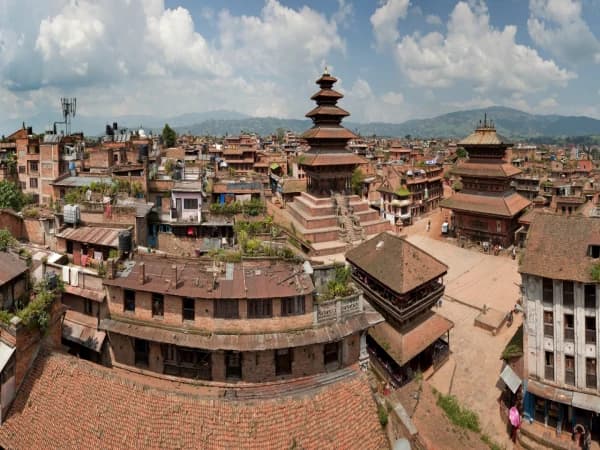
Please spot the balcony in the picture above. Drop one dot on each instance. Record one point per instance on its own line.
(337, 309)
(548, 330)
(399, 309)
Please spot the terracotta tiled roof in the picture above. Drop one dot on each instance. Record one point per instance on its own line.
(407, 342)
(11, 267)
(396, 263)
(331, 159)
(502, 205)
(484, 137)
(483, 170)
(557, 247)
(327, 93)
(328, 133)
(71, 404)
(330, 110)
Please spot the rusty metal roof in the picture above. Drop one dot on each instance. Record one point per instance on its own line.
(11, 266)
(93, 235)
(249, 279)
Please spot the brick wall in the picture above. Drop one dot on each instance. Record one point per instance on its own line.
(121, 349)
(171, 244)
(13, 223)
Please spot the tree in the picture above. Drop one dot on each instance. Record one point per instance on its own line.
(357, 181)
(280, 135)
(168, 136)
(461, 152)
(11, 196)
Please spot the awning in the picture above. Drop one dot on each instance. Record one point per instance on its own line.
(586, 401)
(78, 328)
(6, 351)
(400, 203)
(404, 344)
(550, 392)
(510, 378)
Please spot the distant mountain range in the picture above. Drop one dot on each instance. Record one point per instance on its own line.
(509, 122)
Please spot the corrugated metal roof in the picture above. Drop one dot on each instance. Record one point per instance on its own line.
(93, 235)
(80, 181)
(82, 329)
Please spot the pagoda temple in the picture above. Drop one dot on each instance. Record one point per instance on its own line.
(487, 208)
(327, 218)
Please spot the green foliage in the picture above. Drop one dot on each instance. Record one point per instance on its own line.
(169, 136)
(31, 212)
(340, 285)
(514, 348)
(461, 152)
(170, 166)
(6, 240)
(5, 316)
(113, 253)
(457, 186)
(357, 181)
(11, 196)
(100, 187)
(457, 414)
(402, 191)
(490, 442)
(75, 196)
(383, 415)
(595, 272)
(36, 314)
(252, 207)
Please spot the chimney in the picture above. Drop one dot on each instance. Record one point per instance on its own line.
(142, 273)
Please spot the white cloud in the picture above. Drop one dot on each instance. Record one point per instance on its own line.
(393, 98)
(473, 51)
(384, 21)
(432, 19)
(344, 13)
(279, 40)
(558, 27)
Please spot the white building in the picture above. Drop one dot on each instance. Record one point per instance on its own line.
(561, 342)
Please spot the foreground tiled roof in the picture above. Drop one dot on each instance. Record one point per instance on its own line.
(11, 267)
(501, 205)
(557, 247)
(69, 403)
(396, 263)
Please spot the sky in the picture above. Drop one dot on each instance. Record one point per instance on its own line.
(395, 59)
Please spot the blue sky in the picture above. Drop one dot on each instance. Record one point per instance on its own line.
(396, 59)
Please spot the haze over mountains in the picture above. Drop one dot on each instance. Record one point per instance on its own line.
(510, 122)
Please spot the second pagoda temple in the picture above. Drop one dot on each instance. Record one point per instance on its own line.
(487, 208)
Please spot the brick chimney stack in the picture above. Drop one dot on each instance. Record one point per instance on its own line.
(142, 273)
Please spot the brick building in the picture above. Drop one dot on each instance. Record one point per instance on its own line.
(253, 321)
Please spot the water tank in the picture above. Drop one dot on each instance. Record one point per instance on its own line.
(125, 241)
(71, 214)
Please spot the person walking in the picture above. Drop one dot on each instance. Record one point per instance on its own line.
(428, 225)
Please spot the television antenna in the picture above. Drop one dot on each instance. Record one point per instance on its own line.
(68, 107)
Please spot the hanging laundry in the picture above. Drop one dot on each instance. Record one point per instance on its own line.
(74, 276)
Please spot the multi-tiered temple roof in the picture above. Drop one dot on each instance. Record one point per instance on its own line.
(328, 138)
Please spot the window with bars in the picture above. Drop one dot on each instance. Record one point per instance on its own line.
(570, 370)
(547, 291)
(548, 324)
(568, 293)
(589, 296)
(33, 183)
(292, 306)
(549, 366)
(569, 330)
(190, 203)
(188, 306)
(590, 373)
(590, 330)
(226, 309)
(260, 308)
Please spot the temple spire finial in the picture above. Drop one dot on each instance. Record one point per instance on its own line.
(485, 124)
(326, 71)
